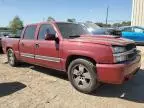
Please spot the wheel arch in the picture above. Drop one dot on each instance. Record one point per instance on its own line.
(7, 48)
(74, 57)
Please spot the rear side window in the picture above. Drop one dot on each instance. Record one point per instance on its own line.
(43, 29)
(30, 32)
(138, 30)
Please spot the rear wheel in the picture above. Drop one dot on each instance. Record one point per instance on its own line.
(82, 75)
(11, 58)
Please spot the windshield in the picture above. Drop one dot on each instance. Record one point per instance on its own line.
(71, 30)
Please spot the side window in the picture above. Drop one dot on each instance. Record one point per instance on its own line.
(30, 32)
(129, 29)
(44, 29)
(138, 30)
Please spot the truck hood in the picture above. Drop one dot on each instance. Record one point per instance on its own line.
(103, 39)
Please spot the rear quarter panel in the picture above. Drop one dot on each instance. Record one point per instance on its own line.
(12, 43)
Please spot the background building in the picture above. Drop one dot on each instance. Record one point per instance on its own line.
(138, 13)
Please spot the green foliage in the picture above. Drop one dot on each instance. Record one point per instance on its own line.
(71, 20)
(117, 25)
(124, 23)
(5, 29)
(128, 23)
(16, 24)
(50, 19)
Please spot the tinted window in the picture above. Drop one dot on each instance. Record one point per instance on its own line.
(30, 32)
(44, 29)
(71, 30)
(129, 29)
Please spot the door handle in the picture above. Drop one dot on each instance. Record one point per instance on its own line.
(22, 44)
(36, 45)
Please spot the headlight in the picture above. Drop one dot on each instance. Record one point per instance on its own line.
(117, 49)
(118, 59)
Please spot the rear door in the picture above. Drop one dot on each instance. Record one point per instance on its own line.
(27, 43)
(47, 51)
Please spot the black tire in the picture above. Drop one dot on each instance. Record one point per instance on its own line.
(1, 51)
(87, 82)
(11, 58)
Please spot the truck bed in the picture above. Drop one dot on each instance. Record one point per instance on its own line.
(11, 42)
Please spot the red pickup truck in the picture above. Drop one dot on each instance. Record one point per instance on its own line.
(88, 59)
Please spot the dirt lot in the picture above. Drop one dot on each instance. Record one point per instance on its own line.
(33, 87)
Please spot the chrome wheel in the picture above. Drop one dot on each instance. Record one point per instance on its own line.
(81, 76)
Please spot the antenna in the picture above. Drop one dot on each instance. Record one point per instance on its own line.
(107, 14)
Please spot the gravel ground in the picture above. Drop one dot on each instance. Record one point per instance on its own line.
(30, 86)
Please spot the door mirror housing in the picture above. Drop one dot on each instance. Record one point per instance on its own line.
(50, 37)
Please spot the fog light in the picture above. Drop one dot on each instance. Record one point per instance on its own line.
(120, 59)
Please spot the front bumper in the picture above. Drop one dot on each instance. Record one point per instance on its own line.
(118, 73)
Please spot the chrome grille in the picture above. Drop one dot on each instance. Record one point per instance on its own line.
(133, 54)
(130, 47)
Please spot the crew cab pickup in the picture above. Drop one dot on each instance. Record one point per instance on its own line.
(88, 59)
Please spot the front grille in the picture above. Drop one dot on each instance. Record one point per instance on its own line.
(133, 54)
(130, 47)
(129, 54)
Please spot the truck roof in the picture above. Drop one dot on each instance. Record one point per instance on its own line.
(52, 22)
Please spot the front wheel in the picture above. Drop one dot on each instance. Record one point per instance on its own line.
(82, 75)
(11, 58)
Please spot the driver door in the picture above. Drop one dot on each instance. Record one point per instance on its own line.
(47, 51)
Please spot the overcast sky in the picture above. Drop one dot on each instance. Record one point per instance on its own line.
(31, 11)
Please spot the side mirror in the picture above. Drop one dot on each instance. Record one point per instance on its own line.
(50, 37)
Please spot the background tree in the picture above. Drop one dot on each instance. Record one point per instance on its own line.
(124, 23)
(16, 24)
(50, 19)
(116, 25)
(71, 20)
(103, 24)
